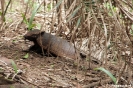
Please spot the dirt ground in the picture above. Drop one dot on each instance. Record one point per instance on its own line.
(49, 72)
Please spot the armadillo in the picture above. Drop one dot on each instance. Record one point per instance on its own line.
(52, 43)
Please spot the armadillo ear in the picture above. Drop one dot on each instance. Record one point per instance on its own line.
(42, 32)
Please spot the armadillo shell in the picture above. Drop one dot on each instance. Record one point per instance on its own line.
(56, 45)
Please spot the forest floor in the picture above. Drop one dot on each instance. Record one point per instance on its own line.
(43, 71)
(49, 72)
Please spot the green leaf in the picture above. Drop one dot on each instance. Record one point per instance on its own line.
(78, 22)
(0, 13)
(38, 26)
(30, 25)
(49, 7)
(25, 1)
(108, 73)
(131, 32)
(14, 66)
(12, 87)
(24, 19)
(26, 56)
(132, 26)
